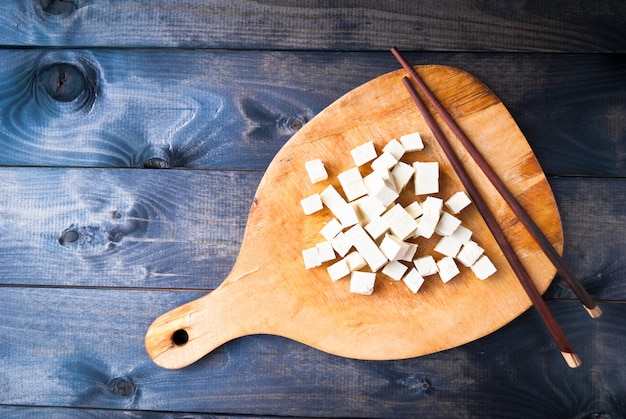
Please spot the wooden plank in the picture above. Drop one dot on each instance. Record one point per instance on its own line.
(236, 109)
(84, 348)
(454, 25)
(183, 228)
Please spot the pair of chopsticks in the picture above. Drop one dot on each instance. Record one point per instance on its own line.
(592, 308)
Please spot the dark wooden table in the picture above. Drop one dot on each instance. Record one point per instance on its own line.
(95, 246)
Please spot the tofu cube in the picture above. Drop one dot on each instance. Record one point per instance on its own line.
(366, 247)
(414, 209)
(362, 282)
(384, 162)
(462, 234)
(316, 170)
(369, 208)
(483, 268)
(311, 204)
(325, 251)
(379, 189)
(355, 261)
(447, 269)
(395, 270)
(410, 252)
(352, 184)
(392, 247)
(363, 153)
(426, 177)
(426, 265)
(331, 229)
(401, 174)
(447, 224)
(377, 227)
(311, 258)
(412, 142)
(457, 202)
(413, 280)
(469, 254)
(428, 222)
(339, 207)
(400, 222)
(341, 244)
(394, 148)
(448, 246)
(338, 270)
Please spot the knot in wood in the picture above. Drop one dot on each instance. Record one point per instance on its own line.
(60, 8)
(122, 386)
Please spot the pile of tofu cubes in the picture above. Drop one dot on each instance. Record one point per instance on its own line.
(371, 232)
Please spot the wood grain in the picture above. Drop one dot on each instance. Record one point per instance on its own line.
(55, 355)
(455, 25)
(275, 294)
(235, 109)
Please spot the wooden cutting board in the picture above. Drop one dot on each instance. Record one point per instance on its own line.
(269, 291)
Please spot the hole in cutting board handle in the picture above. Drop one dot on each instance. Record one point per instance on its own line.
(180, 337)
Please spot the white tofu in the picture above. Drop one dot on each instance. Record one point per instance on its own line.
(339, 207)
(428, 222)
(457, 202)
(362, 282)
(400, 222)
(355, 261)
(311, 204)
(410, 252)
(325, 251)
(426, 265)
(385, 161)
(432, 205)
(316, 170)
(379, 189)
(447, 224)
(448, 246)
(394, 148)
(426, 177)
(341, 244)
(401, 174)
(483, 268)
(412, 142)
(369, 207)
(366, 247)
(338, 270)
(392, 247)
(352, 184)
(363, 153)
(414, 209)
(469, 254)
(311, 258)
(377, 227)
(413, 280)
(447, 269)
(394, 270)
(331, 229)
(462, 234)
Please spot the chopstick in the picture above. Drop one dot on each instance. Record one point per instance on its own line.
(559, 337)
(546, 246)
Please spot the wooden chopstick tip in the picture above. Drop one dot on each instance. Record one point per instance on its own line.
(573, 361)
(594, 312)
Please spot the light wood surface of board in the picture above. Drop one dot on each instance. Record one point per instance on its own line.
(270, 292)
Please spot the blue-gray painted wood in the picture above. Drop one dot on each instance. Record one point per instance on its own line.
(61, 349)
(456, 25)
(203, 109)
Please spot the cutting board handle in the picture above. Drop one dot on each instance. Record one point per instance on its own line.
(184, 335)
